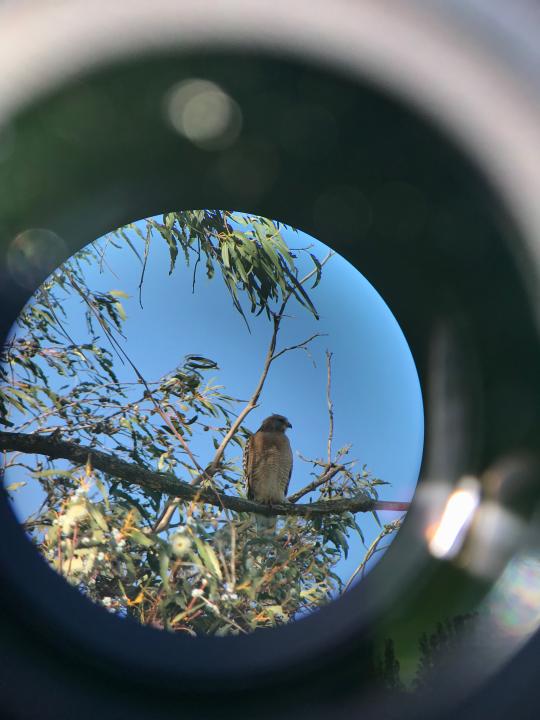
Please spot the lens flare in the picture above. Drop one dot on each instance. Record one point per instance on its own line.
(515, 600)
(449, 533)
(493, 538)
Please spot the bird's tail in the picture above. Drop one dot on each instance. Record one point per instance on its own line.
(265, 525)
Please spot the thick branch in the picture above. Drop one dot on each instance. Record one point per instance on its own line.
(170, 485)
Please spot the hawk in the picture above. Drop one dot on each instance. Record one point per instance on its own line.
(268, 464)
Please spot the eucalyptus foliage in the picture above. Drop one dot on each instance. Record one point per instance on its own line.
(208, 571)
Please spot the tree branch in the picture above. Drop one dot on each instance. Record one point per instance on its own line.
(170, 485)
(271, 355)
(325, 477)
(373, 548)
(254, 399)
(121, 352)
(331, 469)
(330, 404)
(298, 346)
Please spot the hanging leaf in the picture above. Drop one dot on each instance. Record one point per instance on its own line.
(164, 561)
(209, 557)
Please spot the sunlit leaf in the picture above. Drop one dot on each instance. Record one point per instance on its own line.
(209, 557)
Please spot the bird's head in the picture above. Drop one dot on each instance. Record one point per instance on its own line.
(275, 423)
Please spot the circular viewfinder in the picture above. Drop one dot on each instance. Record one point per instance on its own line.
(215, 421)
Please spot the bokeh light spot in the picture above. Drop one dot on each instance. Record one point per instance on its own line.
(33, 255)
(204, 114)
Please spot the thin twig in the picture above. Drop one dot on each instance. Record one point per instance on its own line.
(195, 268)
(332, 471)
(299, 346)
(387, 530)
(233, 555)
(330, 404)
(145, 261)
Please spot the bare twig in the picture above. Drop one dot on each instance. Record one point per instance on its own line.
(144, 262)
(197, 261)
(233, 554)
(330, 404)
(252, 403)
(331, 469)
(331, 472)
(299, 346)
(373, 548)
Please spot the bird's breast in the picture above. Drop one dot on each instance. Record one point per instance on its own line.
(271, 476)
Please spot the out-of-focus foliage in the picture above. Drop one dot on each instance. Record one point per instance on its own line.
(208, 571)
(208, 574)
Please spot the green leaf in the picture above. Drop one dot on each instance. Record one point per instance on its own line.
(209, 557)
(200, 362)
(173, 248)
(103, 490)
(225, 254)
(276, 610)
(161, 461)
(98, 517)
(120, 309)
(319, 270)
(164, 560)
(140, 538)
(15, 486)
(52, 473)
(300, 294)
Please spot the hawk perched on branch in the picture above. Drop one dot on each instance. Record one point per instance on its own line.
(268, 464)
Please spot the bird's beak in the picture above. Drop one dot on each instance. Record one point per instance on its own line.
(289, 424)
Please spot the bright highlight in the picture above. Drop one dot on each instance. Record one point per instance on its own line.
(456, 518)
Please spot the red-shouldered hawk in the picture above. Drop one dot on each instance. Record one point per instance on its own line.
(268, 464)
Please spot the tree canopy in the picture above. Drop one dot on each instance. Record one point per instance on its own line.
(130, 515)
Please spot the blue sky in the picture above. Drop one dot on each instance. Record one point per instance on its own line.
(375, 387)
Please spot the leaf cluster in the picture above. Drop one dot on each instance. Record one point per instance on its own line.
(249, 252)
(210, 573)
